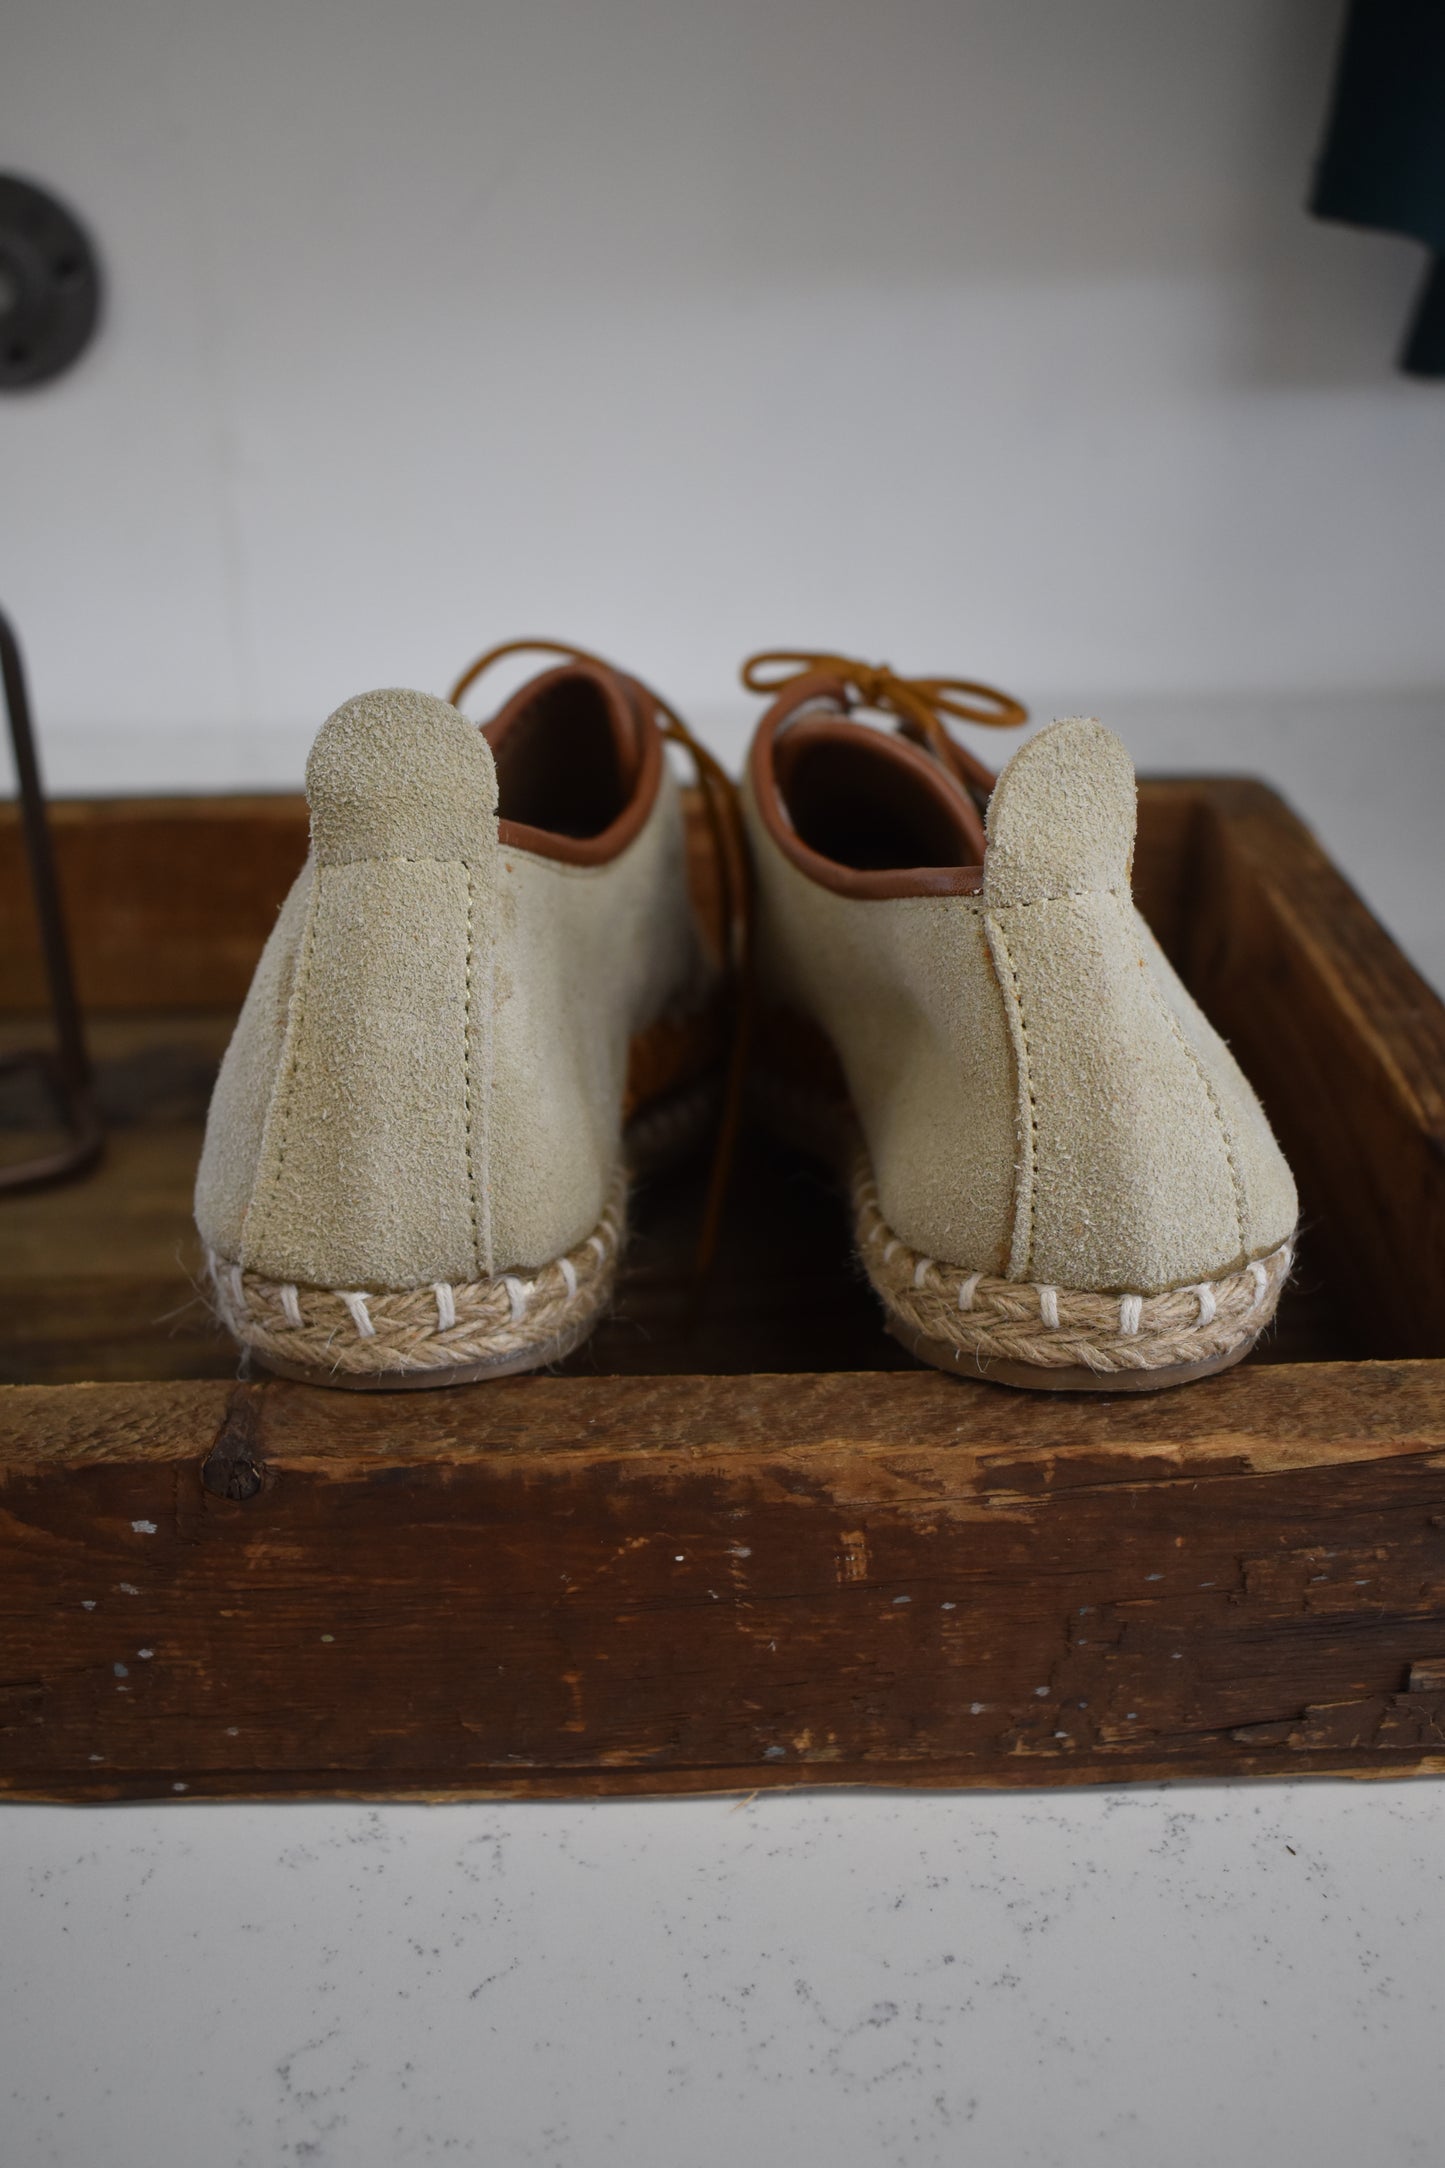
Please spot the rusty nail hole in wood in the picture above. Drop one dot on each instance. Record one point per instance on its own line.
(234, 1469)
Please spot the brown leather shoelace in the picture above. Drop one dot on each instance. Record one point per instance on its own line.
(921, 706)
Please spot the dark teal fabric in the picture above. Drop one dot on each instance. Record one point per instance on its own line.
(1383, 160)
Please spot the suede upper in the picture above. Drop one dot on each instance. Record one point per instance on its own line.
(1040, 1097)
(426, 1080)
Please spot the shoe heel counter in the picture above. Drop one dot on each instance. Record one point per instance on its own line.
(1144, 1161)
(1267, 1199)
(1126, 1176)
(587, 956)
(370, 1170)
(246, 1081)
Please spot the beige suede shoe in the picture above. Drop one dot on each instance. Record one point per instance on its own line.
(414, 1169)
(1060, 1177)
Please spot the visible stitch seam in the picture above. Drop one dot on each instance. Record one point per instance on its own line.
(1236, 1180)
(467, 1079)
(1062, 895)
(487, 1260)
(509, 853)
(431, 1328)
(287, 1089)
(380, 858)
(1054, 1327)
(980, 902)
(1026, 1063)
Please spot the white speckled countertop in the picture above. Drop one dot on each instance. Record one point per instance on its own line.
(1161, 1978)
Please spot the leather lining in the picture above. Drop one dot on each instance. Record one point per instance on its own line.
(579, 757)
(876, 783)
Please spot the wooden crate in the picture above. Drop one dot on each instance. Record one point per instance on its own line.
(751, 1546)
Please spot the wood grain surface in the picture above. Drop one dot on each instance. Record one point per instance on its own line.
(168, 900)
(739, 1542)
(566, 1585)
(1345, 1042)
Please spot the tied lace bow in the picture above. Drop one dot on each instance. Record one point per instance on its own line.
(921, 706)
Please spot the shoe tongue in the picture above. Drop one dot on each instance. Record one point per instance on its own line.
(568, 748)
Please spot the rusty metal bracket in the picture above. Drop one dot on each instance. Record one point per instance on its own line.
(65, 1067)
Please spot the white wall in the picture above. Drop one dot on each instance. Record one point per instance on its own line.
(983, 334)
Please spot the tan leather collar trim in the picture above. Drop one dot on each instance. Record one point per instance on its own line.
(634, 723)
(824, 693)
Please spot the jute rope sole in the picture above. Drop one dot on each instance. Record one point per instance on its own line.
(1058, 1339)
(445, 1334)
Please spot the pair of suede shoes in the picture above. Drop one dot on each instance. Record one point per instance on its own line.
(499, 987)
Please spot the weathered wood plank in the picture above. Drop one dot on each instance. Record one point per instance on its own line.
(561, 1585)
(169, 900)
(662, 1582)
(1345, 1043)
